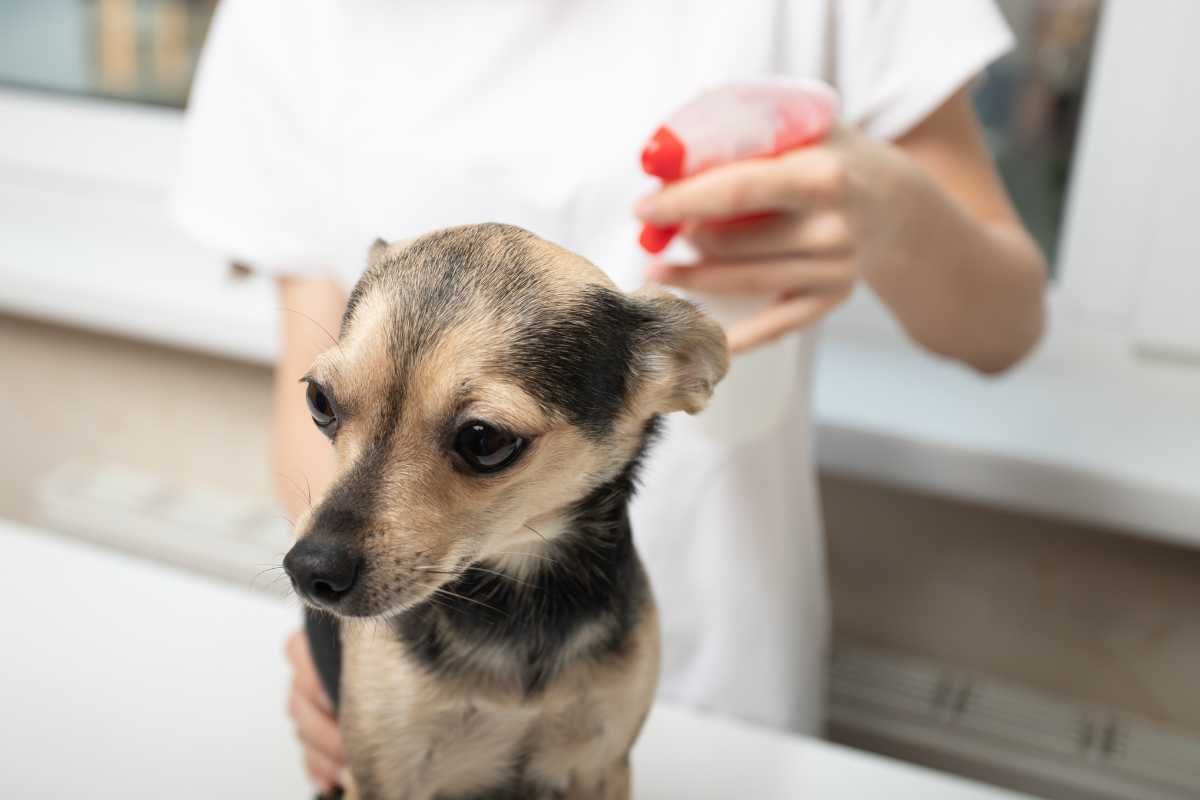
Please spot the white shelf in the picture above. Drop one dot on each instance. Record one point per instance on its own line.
(1107, 442)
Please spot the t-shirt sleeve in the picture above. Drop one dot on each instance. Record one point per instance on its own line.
(253, 174)
(896, 61)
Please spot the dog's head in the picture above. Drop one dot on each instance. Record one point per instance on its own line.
(484, 381)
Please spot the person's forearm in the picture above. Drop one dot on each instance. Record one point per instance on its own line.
(966, 288)
(303, 460)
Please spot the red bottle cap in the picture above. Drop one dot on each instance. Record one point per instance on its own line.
(663, 155)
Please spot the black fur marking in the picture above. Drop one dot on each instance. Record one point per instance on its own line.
(578, 359)
(595, 579)
(347, 510)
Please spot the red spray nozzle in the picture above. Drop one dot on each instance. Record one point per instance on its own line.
(663, 155)
(731, 123)
(655, 239)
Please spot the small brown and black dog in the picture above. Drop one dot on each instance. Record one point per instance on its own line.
(489, 399)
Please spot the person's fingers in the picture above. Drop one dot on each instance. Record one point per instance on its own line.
(798, 180)
(764, 277)
(304, 671)
(822, 232)
(316, 728)
(787, 315)
(321, 771)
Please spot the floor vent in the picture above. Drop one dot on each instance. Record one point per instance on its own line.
(1008, 735)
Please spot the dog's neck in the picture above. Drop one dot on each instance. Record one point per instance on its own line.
(578, 598)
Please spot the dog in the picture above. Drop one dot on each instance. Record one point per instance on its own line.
(489, 400)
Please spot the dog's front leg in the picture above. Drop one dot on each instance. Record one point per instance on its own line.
(612, 785)
(350, 791)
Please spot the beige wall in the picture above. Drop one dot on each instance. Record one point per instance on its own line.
(1087, 613)
(70, 395)
(1079, 611)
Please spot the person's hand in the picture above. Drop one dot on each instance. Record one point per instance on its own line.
(822, 212)
(312, 712)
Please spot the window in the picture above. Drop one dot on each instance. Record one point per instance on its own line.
(1031, 101)
(142, 50)
(1092, 120)
(146, 50)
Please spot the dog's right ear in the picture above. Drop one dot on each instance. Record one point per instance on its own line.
(684, 353)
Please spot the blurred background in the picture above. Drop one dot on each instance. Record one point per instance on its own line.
(1015, 563)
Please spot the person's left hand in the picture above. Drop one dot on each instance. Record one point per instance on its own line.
(807, 253)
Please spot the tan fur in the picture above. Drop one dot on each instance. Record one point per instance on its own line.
(425, 735)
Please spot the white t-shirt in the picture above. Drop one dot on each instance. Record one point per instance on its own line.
(316, 126)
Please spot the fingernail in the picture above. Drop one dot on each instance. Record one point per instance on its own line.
(344, 777)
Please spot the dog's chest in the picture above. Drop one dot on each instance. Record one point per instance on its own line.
(411, 735)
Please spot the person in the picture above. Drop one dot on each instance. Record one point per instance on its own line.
(315, 127)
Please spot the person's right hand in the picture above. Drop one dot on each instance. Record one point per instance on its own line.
(312, 712)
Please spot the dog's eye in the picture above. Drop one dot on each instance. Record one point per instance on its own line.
(321, 409)
(487, 449)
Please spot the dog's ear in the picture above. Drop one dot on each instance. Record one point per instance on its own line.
(381, 249)
(378, 249)
(684, 353)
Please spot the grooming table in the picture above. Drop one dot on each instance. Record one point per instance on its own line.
(125, 678)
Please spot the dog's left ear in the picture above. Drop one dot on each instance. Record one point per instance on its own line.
(684, 353)
(378, 249)
(381, 249)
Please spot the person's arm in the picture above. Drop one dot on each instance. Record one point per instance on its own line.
(925, 222)
(970, 285)
(311, 312)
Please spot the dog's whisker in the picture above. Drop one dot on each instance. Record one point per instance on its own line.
(263, 572)
(438, 601)
(527, 554)
(296, 486)
(322, 328)
(539, 533)
(460, 573)
(445, 591)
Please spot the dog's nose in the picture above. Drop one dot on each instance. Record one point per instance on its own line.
(321, 570)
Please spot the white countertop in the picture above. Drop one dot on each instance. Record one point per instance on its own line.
(126, 679)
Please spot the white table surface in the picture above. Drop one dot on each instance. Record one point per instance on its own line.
(123, 678)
